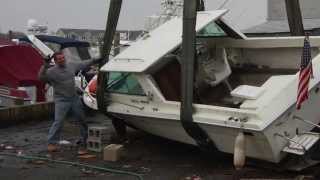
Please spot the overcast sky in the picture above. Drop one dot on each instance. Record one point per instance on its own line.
(14, 14)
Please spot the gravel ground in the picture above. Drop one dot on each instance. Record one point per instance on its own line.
(153, 157)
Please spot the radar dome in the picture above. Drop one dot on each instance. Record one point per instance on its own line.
(32, 23)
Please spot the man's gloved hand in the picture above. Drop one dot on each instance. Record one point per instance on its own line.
(47, 60)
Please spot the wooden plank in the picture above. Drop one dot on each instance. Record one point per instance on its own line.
(24, 113)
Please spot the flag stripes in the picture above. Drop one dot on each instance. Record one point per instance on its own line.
(305, 73)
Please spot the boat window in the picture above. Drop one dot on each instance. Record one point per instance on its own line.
(210, 30)
(124, 83)
(168, 79)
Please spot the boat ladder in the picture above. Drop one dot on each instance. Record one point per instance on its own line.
(302, 142)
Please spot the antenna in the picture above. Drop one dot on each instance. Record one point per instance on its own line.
(223, 4)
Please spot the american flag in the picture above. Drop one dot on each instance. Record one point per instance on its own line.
(305, 73)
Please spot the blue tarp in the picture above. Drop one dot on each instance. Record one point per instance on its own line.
(63, 42)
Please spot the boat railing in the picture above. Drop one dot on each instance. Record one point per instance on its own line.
(306, 121)
(293, 141)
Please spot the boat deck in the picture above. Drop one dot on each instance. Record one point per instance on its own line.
(220, 94)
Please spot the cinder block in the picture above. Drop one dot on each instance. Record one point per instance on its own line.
(113, 152)
(96, 145)
(98, 132)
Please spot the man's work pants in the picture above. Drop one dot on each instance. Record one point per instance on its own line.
(62, 107)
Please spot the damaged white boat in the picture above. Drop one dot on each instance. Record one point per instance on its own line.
(245, 86)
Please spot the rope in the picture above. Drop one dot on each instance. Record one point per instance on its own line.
(138, 176)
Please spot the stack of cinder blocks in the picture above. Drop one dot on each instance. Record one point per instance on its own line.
(97, 138)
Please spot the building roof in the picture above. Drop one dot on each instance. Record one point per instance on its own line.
(3, 36)
(133, 34)
(277, 9)
(5, 42)
(81, 31)
(280, 26)
(277, 21)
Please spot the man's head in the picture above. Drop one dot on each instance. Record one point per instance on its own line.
(59, 59)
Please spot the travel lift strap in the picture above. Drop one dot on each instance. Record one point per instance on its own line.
(112, 21)
(187, 69)
(113, 17)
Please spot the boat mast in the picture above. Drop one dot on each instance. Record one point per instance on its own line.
(187, 75)
(294, 17)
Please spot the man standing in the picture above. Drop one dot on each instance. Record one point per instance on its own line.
(61, 77)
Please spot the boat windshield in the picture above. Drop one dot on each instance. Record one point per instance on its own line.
(124, 83)
(211, 30)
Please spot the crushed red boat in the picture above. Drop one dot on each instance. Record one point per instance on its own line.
(19, 66)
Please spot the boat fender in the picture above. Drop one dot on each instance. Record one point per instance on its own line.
(239, 156)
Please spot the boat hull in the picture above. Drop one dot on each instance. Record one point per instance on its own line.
(265, 144)
(257, 145)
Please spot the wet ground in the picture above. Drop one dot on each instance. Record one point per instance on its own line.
(152, 157)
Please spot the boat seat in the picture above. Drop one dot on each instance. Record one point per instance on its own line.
(217, 67)
(247, 92)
